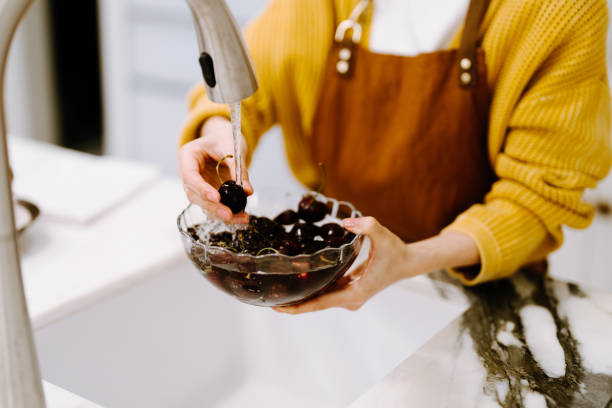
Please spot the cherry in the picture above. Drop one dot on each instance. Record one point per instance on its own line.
(303, 232)
(312, 246)
(311, 210)
(249, 241)
(334, 242)
(332, 230)
(287, 217)
(266, 227)
(349, 237)
(232, 194)
(288, 247)
(193, 233)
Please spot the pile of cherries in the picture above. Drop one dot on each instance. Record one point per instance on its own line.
(290, 233)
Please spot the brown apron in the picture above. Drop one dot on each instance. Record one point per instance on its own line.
(405, 138)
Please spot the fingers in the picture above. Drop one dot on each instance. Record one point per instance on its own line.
(349, 298)
(213, 208)
(246, 184)
(365, 225)
(346, 293)
(201, 193)
(351, 277)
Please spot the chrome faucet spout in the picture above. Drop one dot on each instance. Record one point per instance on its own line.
(226, 65)
(20, 384)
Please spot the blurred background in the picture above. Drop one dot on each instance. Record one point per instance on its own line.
(114, 82)
(110, 78)
(115, 79)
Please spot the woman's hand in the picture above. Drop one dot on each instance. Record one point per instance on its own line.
(390, 260)
(197, 168)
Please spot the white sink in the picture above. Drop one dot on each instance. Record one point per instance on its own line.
(175, 341)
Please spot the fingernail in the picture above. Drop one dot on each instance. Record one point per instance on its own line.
(212, 197)
(349, 222)
(223, 214)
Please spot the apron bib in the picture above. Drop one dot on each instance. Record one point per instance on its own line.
(405, 138)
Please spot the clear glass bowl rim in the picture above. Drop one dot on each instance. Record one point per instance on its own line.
(246, 257)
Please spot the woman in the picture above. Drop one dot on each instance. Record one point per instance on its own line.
(469, 150)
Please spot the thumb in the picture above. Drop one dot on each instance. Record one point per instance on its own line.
(246, 183)
(368, 226)
(230, 163)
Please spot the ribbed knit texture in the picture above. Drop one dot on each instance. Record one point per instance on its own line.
(549, 131)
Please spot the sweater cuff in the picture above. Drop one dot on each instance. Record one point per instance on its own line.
(201, 109)
(507, 237)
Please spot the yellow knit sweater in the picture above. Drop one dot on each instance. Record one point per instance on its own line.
(549, 132)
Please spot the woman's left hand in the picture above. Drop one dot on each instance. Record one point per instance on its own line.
(390, 260)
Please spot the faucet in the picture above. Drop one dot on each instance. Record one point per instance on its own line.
(226, 64)
(228, 77)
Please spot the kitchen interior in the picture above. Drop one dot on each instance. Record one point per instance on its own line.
(120, 316)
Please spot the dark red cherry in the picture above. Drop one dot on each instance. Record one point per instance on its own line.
(303, 232)
(269, 229)
(311, 210)
(332, 230)
(311, 247)
(221, 237)
(253, 242)
(288, 247)
(348, 237)
(193, 233)
(233, 196)
(334, 242)
(287, 217)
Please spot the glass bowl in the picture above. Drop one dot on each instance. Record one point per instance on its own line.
(268, 279)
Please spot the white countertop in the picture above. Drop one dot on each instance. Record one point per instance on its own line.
(132, 243)
(57, 397)
(69, 264)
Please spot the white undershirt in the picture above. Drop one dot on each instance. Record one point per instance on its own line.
(411, 27)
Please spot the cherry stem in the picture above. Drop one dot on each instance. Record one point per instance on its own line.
(267, 249)
(329, 261)
(229, 156)
(323, 177)
(231, 248)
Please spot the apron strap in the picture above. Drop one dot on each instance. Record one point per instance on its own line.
(469, 41)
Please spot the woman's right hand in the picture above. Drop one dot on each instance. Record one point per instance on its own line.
(197, 168)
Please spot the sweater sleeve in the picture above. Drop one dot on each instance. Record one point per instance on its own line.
(258, 111)
(557, 144)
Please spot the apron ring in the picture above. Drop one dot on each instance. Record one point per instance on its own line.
(346, 25)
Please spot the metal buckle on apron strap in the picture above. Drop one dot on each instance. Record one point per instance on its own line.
(346, 25)
(347, 45)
